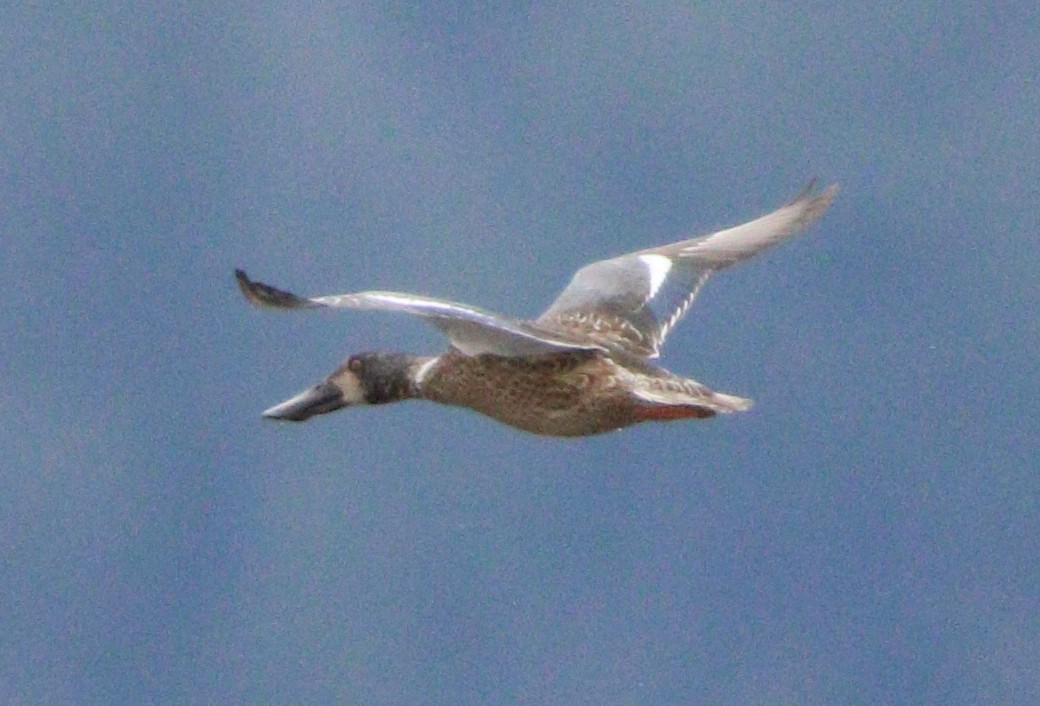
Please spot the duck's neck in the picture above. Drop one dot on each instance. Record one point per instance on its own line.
(393, 377)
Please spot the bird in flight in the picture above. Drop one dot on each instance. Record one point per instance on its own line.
(583, 367)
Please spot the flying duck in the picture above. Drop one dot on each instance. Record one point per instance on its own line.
(583, 367)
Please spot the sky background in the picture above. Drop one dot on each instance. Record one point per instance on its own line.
(868, 534)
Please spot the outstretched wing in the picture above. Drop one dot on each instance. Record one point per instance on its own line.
(634, 300)
(471, 330)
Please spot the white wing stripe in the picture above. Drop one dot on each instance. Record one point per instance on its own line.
(658, 267)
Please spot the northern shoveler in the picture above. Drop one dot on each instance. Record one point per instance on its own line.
(580, 368)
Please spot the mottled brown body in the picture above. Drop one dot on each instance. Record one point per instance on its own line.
(563, 394)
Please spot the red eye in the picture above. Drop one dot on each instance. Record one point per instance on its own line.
(355, 364)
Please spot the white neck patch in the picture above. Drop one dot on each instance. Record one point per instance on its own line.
(657, 267)
(424, 370)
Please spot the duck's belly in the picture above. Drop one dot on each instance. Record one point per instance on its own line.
(563, 394)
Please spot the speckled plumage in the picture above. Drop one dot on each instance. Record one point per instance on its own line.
(581, 368)
(562, 394)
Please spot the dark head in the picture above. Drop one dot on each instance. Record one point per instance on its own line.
(365, 378)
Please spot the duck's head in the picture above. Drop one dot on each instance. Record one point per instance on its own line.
(365, 378)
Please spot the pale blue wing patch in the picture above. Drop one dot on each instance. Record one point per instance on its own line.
(630, 301)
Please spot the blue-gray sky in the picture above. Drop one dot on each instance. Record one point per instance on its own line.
(869, 533)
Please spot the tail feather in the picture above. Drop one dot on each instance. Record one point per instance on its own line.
(722, 402)
(692, 395)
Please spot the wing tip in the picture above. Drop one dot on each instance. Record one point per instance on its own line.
(823, 198)
(811, 206)
(264, 295)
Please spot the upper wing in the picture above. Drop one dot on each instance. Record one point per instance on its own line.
(471, 330)
(634, 300)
